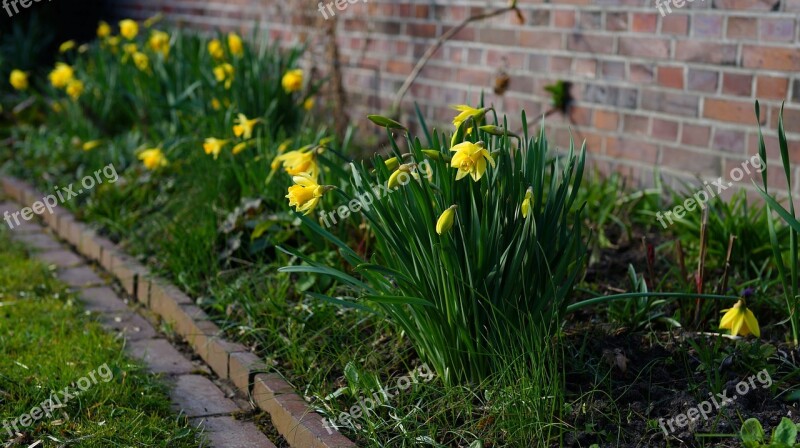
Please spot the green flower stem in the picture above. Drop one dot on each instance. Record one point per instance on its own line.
(631, 295)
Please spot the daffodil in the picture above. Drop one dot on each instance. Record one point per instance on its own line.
(215, 49)
(130, 49)
(75, 89)
(216, 104)
(66, 46)
(244, 127)
(141, 61)
(397, 179)
(305, 194)
(445, 221)
(465, 113)
(235, 44)
(129, 29)
(224, 73)
(308, 104)
(284, 146)
(298, 162)
(292, 81)
(113, 43)
(159, 42)
(470, 158)
(526, 203)
(214, 146)
(740, 320)
(103, 30)
(240, 147)
(18, 80)
(61, 75)
(153, 158)
(92, 144)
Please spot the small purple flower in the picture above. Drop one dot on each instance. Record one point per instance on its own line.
(747, 293)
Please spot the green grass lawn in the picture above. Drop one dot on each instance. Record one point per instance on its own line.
(47, 344)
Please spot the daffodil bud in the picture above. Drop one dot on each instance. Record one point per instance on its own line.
(526, 203)
(446, 220)
(397, 179)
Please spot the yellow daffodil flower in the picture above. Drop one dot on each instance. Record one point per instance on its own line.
(465, 113)
(113, 44)
(61, 75)
(284, 146)
(740, 320)
(292, 81)
(235, 44)
(129, 29)
(224, 73)
(159, 42)
(308, 104)
(446, 220)
(92, 144)
(470, 158)
(216, 104)
(244, 127)
(298, 162)
(66, 46)
(75, 89)
(526, 203)
(215, 49)
(305, 194)
(153, 158)
(240, 147)
(103, 30)
(141, 61)
(130, 49)
(214, 146)
(18, 80)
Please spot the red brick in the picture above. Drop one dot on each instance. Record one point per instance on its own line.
(675, 24)
(771, 58)
(697, 50)
(741, 28)
(707, 26)
(776, 29)
(563, 19)
(695, 135)
(666, 130)
(606, 120)
(636, 124)
(644, 22)
(670, 77)
(646, 47)
(703, 80)
(730, 111)
(737, 84)
(772, 87)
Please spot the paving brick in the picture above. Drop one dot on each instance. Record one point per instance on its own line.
(227, 432)
(184, 320)
(160, 356)
(197, 396)
(206, 330)
(165, 299)
(39, 241)
(129, 324)
(80, 277)
(60, 258)
(217, 352)
(242, 369)
(102, 299)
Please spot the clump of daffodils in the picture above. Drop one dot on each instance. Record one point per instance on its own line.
(153, 159)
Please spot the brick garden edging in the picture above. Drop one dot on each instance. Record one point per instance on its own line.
(300, 425)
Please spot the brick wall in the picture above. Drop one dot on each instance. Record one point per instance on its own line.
(673, 93)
